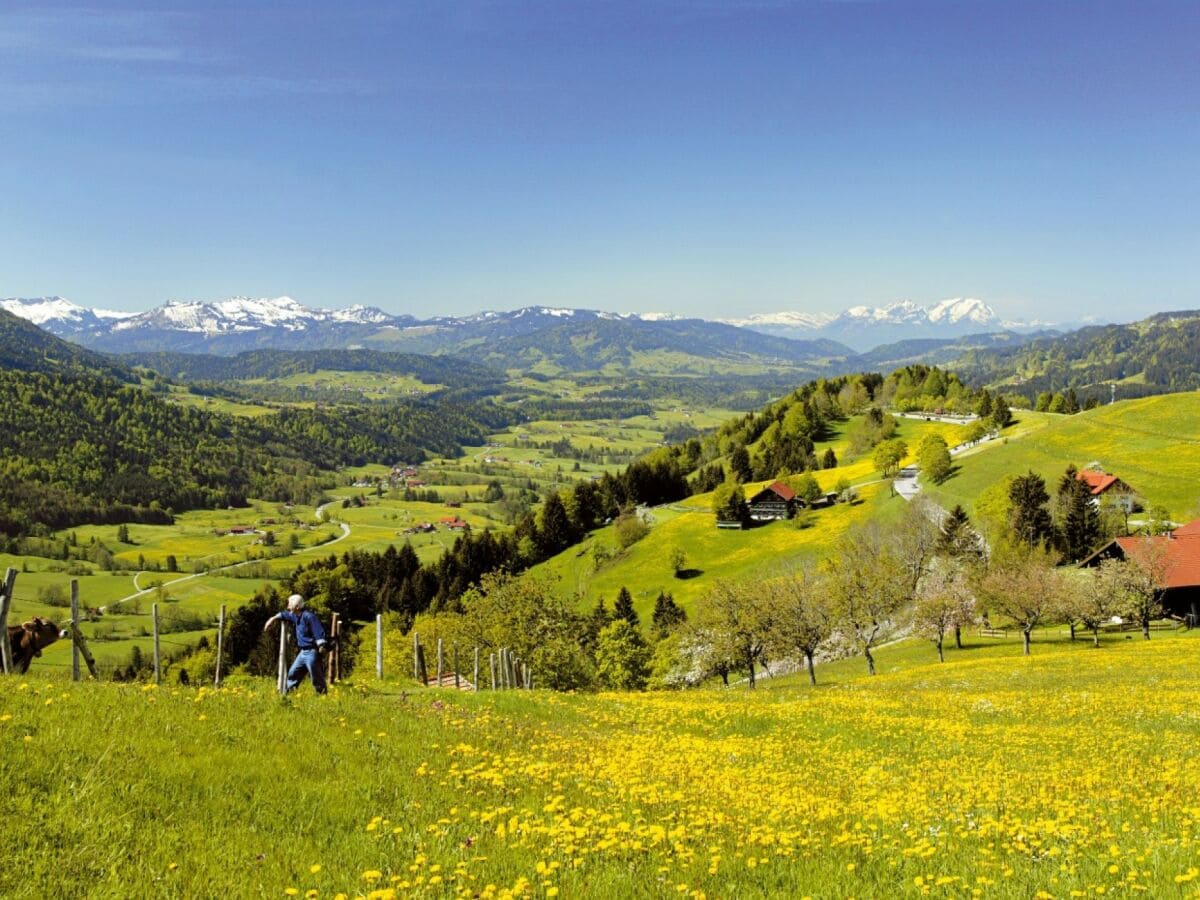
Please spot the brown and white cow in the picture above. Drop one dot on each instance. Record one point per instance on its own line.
(29, 640)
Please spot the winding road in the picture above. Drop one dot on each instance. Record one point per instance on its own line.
(141, 592)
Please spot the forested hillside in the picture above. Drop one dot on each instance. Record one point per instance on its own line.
(1158, 355)
(79, 444)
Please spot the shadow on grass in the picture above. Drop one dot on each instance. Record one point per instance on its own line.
(687, 574)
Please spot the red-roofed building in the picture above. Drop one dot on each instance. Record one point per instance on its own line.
(454, 523)
(1180, 564)
(1191, 529)
(1102, 482)
(775, 501)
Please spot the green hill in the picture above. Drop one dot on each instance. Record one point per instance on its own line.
(1152, 444)
(645, 567)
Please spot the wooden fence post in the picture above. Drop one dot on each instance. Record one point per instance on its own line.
(492, 666)
(416, 657)
(81, 645)
(440, 668)
(512, 671)
(282, 674)
(454, 656)
(157, 650)
(424, 672)
(335, 626)
(220, 646)
(379, 645)
(337, 651)
(500, 663)
(6, 660)
(475, 680)
(528, 679)
(75, 676)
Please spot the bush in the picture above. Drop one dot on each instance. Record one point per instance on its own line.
(629, 530)
(53, 595)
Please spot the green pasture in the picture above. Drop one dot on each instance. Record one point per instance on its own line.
(184, 396)
(986, 773)
(645, 567)
(372, 385)
(1152, 444)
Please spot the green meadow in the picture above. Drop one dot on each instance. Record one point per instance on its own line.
(992, 775)
(1152, 444)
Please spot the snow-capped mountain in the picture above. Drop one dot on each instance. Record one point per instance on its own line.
(58, 314)
(864, 327)
(242, 323)
(237, 314)
(960, 309)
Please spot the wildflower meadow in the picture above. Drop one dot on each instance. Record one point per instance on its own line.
(1070, 773)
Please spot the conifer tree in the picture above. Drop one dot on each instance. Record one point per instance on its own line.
(623, 608)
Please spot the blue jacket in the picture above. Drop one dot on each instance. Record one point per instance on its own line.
(309, 632)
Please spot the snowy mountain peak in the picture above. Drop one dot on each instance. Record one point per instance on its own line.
(959, 309)
(40, 310)
(58, 314)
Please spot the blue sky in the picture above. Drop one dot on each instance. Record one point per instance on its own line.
(715, 158)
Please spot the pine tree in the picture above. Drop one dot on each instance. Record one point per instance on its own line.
(123, 534)
(1001, 414)
(829, 460)
(1079, 528)
(623, 608)
(556, 532)
(739, 465)
(667, 615)
(957, 537)
(984, 407)
(1031, 522)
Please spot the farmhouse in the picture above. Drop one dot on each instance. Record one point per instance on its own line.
(454, 523)
(1180, 564)
(1102, 483)
(775, 501)
(241, 529)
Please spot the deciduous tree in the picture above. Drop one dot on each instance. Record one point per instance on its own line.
(737, 622)
(867, 586)
(802, 620)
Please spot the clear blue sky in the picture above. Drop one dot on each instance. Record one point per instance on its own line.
(717, 158)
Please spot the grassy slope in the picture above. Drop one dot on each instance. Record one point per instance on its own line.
(713, 553)
(1070, 770)
(1152, 444)
(646, 569)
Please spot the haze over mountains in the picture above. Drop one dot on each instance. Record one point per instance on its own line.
(240, 323)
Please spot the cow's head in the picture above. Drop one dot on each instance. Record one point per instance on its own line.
(41, 634)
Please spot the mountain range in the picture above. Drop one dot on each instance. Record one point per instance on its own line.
(866, 327)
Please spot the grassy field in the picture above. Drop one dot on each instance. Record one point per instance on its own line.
(1153, 444)
(1069, 773)
(712, 553)
(645, 568)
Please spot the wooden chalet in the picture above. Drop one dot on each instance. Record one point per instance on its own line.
(454, 523)
(1181, 564)
(1101, 483)
(775, 501)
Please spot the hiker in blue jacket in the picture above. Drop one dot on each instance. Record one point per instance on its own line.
(310, 639)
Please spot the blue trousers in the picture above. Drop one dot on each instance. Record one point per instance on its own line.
(310, 661)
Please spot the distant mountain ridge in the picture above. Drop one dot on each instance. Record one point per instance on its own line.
(865, 327)
(552, 338)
